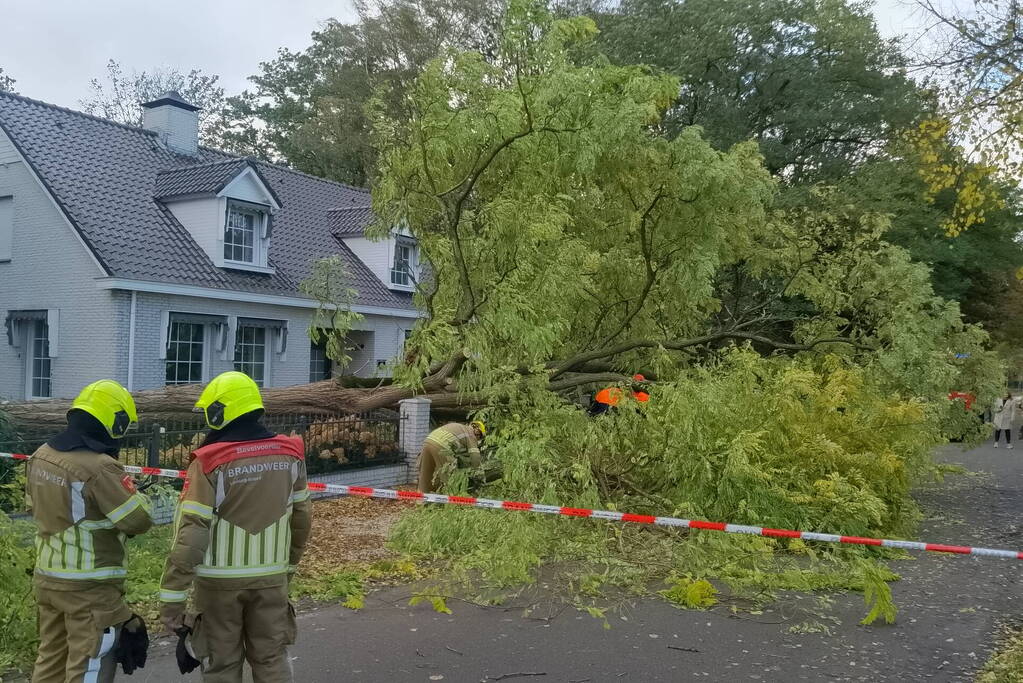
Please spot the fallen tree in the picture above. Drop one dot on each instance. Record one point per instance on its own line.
(802, 361)
(333, 397)
(571, 245)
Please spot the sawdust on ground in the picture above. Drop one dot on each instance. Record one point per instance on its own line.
(350, 531)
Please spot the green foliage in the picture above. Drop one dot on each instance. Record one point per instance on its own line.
(437, 602)
(346, 587)
(812, 82)
(811, 627)
(330, 284)
(311, 105)
(690, 593)
(1006, 665)
(146, 557)
(877, 595)
(567, 241)
(118, 95)
(975, 267)
(977, 57)
(17, 606)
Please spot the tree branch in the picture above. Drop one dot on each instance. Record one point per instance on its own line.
(683, 344)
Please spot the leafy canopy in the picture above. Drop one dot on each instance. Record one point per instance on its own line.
(7, 82)
(802, 359)
(118, 95)
(812, 82)
(308, 107)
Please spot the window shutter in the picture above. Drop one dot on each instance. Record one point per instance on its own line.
(164, 333)
(6, 228)
(53, 325)
(230, 330)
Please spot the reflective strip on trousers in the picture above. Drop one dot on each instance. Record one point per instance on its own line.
(96, 663)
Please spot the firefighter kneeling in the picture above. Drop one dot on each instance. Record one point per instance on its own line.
(454, 446)
(241, 527)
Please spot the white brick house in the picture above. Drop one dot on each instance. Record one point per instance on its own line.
(135, 254)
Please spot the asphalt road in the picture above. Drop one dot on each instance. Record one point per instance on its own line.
(950, 607)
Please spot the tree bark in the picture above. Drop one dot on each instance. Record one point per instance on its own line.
(330, 398)
(175, 403)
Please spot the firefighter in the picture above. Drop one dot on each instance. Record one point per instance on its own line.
(610, 397)
(241, 527)
(84, 505)
(453, 444)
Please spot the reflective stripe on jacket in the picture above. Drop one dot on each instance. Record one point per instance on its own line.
(84, 504)
(458, 441)
(244, 516)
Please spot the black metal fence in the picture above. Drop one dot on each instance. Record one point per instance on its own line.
(332, 444)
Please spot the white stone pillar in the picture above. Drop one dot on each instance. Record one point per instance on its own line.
(413, 427)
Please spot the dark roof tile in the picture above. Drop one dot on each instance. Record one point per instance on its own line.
(106, 176)
(351, 221)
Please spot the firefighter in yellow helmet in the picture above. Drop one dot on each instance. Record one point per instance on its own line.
(84, 505)
(241, 527)
(453, 444)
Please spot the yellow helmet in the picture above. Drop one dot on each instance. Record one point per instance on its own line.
(229, 396)
(110, 403)
(478, 424)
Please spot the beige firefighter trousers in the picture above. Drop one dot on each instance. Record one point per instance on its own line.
(77, 633)
(255, 625)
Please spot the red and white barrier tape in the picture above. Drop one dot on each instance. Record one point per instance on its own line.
(491, 504)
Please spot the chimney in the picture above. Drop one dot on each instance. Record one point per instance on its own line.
(176, 121)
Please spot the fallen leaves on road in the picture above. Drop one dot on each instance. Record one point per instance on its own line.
(350, 531)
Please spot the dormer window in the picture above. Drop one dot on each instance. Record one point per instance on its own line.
(403, 267)
(228, 208)
(245, 234)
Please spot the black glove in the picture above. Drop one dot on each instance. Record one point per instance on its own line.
(133, 645)
(186, 662)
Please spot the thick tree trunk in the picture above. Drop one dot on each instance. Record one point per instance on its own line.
(175, 403)
(320, 398)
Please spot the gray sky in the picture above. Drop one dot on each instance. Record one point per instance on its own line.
(53, 47)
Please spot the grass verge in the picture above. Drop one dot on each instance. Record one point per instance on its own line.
(1006, 664)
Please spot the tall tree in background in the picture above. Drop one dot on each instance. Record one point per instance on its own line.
(828, 100)
(118, 95)
(811, 81)
(6, 82)
(310, 105)
(974, 62)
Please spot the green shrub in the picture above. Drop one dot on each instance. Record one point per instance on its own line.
(814, 444)
(17, 604)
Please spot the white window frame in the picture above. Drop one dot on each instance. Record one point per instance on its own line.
(328, 363)
(260, 236)
(31, 333)
(204, 360)
(268, 344)
(398, 242)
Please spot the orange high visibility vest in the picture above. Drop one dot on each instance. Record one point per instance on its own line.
(613, 395)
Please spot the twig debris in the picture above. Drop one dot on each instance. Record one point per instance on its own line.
(517, 674)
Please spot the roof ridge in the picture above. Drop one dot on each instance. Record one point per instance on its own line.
(192, 167)
(75, 112)
(139, 129)
(263, 162)
(309, 175)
